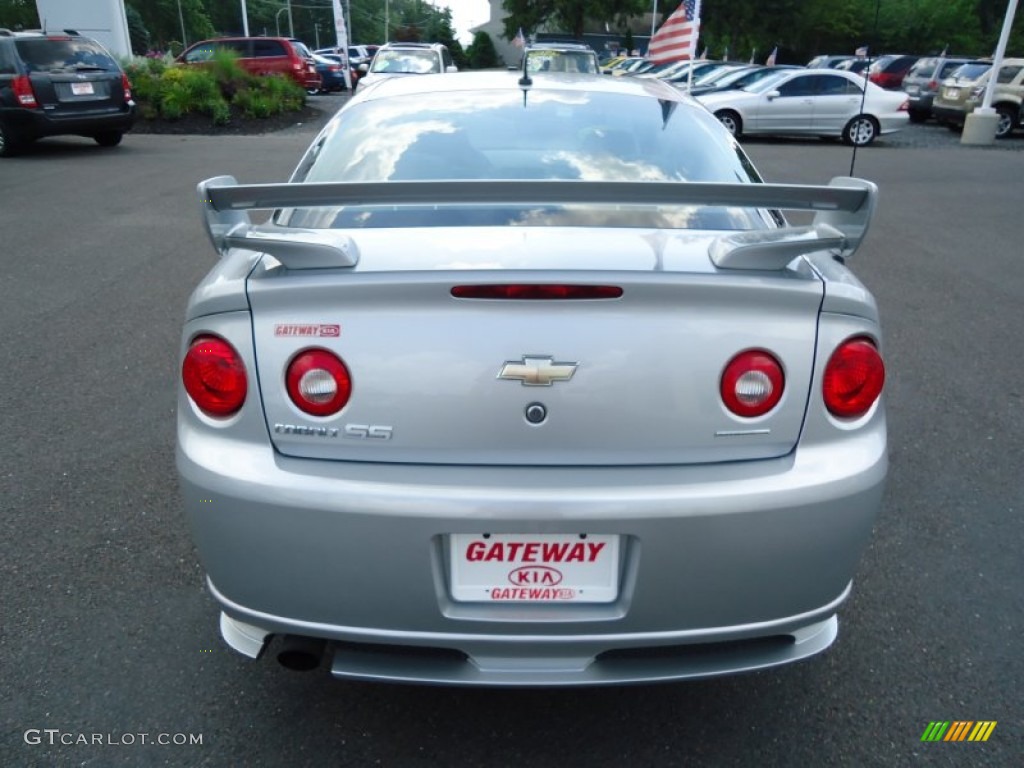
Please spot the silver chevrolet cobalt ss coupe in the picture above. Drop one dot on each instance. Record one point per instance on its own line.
(528, 381)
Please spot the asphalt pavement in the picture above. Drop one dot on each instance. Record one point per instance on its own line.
(109, 641)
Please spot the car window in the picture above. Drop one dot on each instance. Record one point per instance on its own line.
(301, 49)
(264, 48)
(799, 86)
(7, 66)
(972, 71)
(948, 69)
(561, 135)
(1007, 73)
(829, 85)
(45, 55)
(406, 62)
(924, 68)
(542, 60)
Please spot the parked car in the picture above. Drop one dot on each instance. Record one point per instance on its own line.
(856, 65)
(961, 94)
(629, 66)
(60, 85)
(353, 73)
(404, 59)
(811, 103)
(888, 71)
(738, 79)
(358, 55)
(465, 418)
(700, 68)
(827, 61)
(332, 73)
(922, 82)
(260, 56)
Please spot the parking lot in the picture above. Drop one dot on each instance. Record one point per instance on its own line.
(111, 654)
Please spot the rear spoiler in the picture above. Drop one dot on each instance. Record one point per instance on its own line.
(843, 211)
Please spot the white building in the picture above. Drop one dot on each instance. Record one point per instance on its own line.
(102, 20)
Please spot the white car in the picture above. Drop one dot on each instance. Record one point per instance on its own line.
(811, 103)
(404, 59)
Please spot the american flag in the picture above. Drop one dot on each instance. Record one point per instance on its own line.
(677, 38)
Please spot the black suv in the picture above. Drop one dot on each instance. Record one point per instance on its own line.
(60, 85)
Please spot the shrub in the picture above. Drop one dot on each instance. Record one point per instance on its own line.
(170, 92)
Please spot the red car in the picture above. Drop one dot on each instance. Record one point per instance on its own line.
(889, 71)
(261, 56)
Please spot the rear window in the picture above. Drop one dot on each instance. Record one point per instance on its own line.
(925, 68)
(972, 71)
(410, 61)
(558, 135)
(542, 60)
(46, 55)
(302, 50)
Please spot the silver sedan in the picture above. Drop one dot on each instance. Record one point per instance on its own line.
(829, 103)
(531, 383)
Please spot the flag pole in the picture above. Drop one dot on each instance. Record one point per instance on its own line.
(654, 20)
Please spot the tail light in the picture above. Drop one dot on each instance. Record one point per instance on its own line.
(214, 376)
(536, 291)
(23, 92)
(126, 84)
(752, 383)
(318, 382)
(854, 377)
(905, 106)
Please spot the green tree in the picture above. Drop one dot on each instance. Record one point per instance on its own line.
(137, 32)
(481, 52)
(566, 16)
(19, 14)
(162, 20)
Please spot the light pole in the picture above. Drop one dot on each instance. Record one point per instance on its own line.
(291, 24)
(277, 20)
(181, 18)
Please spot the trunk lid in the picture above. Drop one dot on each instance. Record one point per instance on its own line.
(426, 367)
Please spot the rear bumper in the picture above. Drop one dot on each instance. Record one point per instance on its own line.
(37, 123)
(948, 115)
(921, 102)
(724, 568)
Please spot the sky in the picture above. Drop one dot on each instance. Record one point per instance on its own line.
(466, 14)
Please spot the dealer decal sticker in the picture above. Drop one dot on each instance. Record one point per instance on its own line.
(308, 329)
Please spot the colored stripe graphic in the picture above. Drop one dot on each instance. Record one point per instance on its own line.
(982, 730)
(934, 731)
(958, 730)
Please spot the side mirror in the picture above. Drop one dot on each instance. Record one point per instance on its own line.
(772, 95)
(451, 68)
(364, 67)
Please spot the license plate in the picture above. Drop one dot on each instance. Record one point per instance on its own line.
(950, 93)
(913, 90)
(534, 568)
(82, 89)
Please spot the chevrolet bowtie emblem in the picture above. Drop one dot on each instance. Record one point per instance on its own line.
(537, 371)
